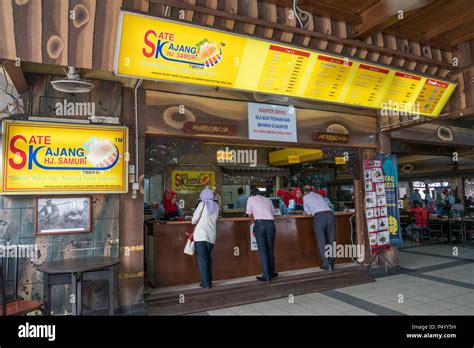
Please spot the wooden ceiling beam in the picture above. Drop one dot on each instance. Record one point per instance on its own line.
(384, 14)
(331, 38)
(415, 36)
(462, 39)
(322, 9)
(450, 25)
(16, 75)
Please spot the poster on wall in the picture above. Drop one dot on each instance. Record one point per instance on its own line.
(192, 181)
(390, 171)
(270, 122)
(56, 158)
(162, 49)
(376, 207)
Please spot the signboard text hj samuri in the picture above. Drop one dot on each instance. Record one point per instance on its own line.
(63, 158)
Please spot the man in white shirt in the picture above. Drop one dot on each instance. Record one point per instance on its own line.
(323, 225)
(261, 209)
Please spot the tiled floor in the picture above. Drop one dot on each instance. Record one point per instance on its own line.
(435, 281)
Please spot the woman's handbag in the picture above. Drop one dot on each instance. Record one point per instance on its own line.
(189, 247)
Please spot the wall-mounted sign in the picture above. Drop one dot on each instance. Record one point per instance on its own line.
(63, 158)
(294, 159)
(272, 122)
(192, 181)
(339, 160)
(208, 128)
(156, 48)
(326, 137)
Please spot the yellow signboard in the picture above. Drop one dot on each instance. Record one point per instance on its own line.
(154, 48)
(63, 158)
(192, 181)
(294, 159)
(339, 160)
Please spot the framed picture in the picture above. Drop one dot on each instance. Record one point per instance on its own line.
(58, 215)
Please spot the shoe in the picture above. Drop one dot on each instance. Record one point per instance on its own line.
(325, 268)
(205, 286)
(274, 275)
(262, 279)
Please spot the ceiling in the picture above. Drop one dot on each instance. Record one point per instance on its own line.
(441, 23)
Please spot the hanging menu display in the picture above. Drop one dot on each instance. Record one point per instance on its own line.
(328, 78)
(160, 49)
(376, 207)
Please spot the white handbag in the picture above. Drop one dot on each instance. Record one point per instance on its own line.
(189, 247)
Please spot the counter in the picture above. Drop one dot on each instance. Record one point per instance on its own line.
(295, 248)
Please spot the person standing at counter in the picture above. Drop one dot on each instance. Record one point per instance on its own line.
(323, 225)
(205, 216)
(241, 200)
(261, 209)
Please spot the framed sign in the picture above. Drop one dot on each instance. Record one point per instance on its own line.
(55, 215)
(55, 158)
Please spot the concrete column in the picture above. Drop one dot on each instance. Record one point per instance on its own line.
(131, 270)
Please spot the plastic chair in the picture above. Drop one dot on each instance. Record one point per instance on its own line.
(456, 226)
(435, 226)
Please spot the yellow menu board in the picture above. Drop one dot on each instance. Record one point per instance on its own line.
(58, 158)
(430, 95)
(282, 70)
(402, 92)
(366, 85)
(328, 78)
(192, 181)
(161, 49)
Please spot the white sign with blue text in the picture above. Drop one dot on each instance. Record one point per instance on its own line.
(272, 122)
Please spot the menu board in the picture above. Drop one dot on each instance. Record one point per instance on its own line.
(376, 207)
(431, 94)
(282, 70)
(366, 85)
(161, 49)
(328, 78)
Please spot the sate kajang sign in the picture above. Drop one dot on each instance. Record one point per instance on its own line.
(161, 49)
(63, 158)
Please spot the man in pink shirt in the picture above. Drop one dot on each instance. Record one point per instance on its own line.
(261, 209)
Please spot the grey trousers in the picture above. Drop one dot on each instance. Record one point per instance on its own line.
(323, 226)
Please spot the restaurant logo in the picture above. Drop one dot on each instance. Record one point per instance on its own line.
(94, 154)
(192, 181)
(243, 156)
(164, 45)
(327, 137)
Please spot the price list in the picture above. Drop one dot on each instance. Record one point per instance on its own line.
(366, 85)
(282, 70)
(430, 95)
(400, 93)
(327, 78)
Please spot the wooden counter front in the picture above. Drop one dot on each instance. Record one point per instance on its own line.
(295, 248)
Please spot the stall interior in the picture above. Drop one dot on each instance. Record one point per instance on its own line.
(186, 166)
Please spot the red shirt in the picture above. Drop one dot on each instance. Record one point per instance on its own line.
(421, 216)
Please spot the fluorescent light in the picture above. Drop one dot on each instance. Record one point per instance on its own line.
(60, 120)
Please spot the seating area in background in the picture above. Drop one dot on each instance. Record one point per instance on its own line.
(455, 228)
(11, 303)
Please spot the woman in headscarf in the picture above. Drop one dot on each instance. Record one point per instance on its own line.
(170, 208)
(285, 198)
(205, 216)
(297, 196)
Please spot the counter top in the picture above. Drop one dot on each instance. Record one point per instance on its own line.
(280, 217)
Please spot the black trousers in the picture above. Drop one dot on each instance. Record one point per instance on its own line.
(323, 226)
(265, 236)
